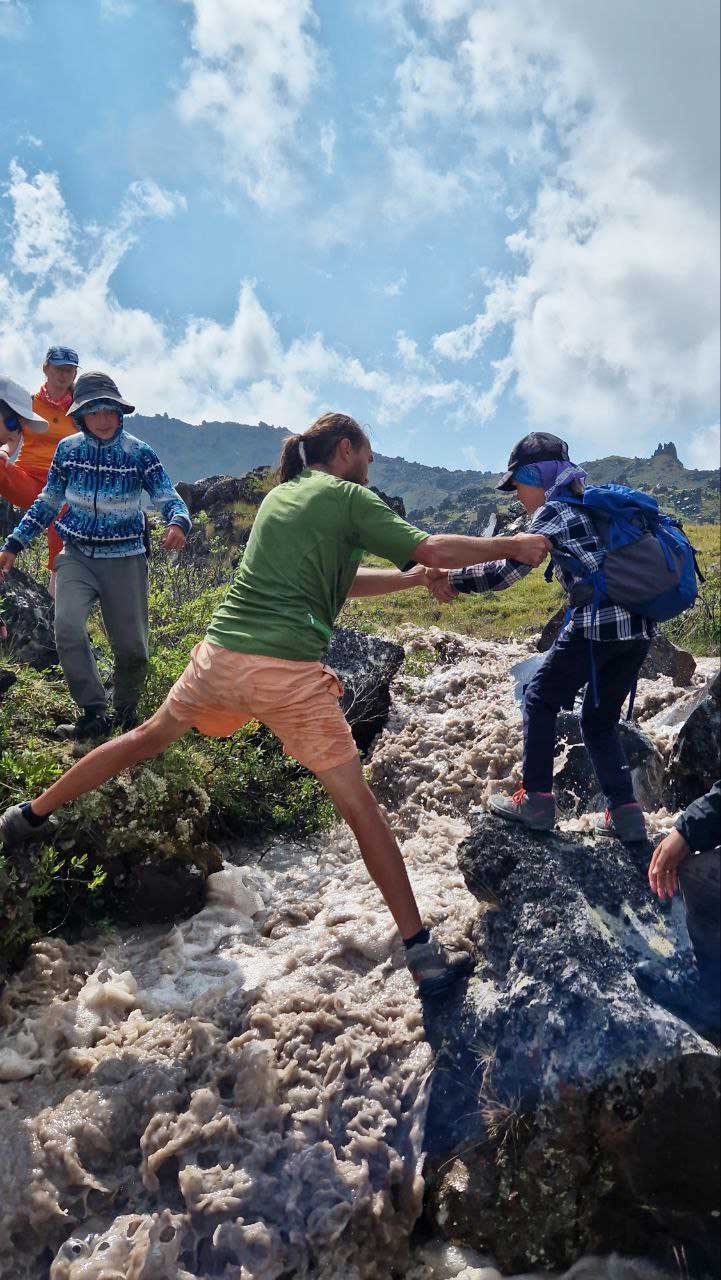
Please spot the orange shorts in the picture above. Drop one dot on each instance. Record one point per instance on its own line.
(220, 691)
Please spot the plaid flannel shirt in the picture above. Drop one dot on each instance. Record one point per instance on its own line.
(571, 531)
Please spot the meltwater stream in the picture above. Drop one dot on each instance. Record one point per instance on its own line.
(243, 1096)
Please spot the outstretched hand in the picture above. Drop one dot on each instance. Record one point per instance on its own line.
(7, 560)
(173, 538)
(439, 586)
(530, 548)
(665, 862)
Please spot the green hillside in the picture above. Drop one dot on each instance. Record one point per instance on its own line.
(434, 494)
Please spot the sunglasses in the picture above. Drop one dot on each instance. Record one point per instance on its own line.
(11, 421)
(62, 355)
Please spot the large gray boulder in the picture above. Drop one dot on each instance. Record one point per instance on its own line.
(582, 1115)
(28, 612)
(366, 666)
(666, 659)
(695, 762)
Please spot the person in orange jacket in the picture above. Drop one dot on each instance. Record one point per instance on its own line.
(25, 459)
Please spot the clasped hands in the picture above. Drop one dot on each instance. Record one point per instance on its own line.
(532, 550)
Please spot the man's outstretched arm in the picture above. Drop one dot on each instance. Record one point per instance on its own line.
(453, 551)
(383, 582)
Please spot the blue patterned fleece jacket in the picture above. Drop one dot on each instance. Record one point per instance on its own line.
(101, 482)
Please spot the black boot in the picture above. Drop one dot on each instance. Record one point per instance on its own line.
(125, 719)
(7, 680)
(90, 726)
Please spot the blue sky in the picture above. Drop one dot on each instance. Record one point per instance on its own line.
(455, 220)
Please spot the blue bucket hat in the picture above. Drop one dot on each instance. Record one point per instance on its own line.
(62, 355)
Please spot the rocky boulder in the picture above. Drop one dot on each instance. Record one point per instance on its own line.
(666, 659)
(396, 504)
(551, 631)
(575, 782)
(695, 761)
(578, 1099)
(214, 493)
(27, 610)
(366, 666)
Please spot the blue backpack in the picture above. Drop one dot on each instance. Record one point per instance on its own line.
(649, 566)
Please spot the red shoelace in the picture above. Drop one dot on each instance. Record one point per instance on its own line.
(519, 796)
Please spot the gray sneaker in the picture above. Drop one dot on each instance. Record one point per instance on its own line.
(434, 969)
(626, 823)
(530, 808)
(15, 828)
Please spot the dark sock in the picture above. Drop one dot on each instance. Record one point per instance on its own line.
(423, 935)
(29, 816)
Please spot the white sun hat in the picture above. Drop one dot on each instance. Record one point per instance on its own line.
(21, 402)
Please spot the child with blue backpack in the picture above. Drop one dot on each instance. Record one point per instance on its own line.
(623, 566)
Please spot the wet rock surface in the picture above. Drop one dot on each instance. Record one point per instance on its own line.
(366, 667)
(595, 1124)
(695, 761)
(156, 892)
(27, 610)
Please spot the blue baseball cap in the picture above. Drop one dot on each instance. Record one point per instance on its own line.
(62, 355)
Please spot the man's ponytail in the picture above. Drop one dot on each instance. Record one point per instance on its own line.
(318, 444)
(291, 464)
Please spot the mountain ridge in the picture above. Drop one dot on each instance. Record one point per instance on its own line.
(228, 448)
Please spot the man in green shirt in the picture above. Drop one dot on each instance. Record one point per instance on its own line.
(261, 657)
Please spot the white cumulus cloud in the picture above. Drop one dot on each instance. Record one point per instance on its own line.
(58, 287)
(253, 70)
(610, 314)
(704, 448)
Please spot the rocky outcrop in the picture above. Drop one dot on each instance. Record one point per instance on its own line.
(217, 492)
(396, 504)
(695, 761)
(28, 613)
(586, 1098)
(551, 631)
(666, 659)
(366, 666)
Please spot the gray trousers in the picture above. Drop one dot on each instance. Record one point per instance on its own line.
(121, 588)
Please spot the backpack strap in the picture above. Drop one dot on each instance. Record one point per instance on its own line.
(632, 697)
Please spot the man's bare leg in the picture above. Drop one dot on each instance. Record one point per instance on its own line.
(351, 794)
(144, 743)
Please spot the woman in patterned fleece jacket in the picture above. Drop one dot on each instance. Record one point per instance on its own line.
(101, 473)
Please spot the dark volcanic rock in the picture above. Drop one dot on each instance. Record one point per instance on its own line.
(216, 492)
(592, 1115)
(395, 504)
(28, 613)
(695, 761)
(575, 783)
(366, 666)
(666, 659)
(551, 631)
(156, 892)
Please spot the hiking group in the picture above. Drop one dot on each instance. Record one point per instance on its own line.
(262, 655)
